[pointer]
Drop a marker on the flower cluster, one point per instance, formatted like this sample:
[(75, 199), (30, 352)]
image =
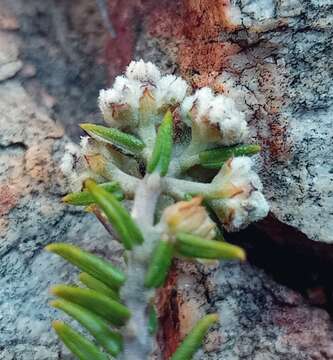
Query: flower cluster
[(142, 90), (137, 101)]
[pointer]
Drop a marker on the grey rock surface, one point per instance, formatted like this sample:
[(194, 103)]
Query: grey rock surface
[(31, 186), (294, 79), (10, 64), (259, 319)]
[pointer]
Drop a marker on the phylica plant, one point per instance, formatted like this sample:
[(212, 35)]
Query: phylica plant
[(157, 134)]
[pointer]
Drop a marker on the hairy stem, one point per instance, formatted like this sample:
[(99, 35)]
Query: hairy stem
[(178, 188), (128, 183), (189, 158), (147, 133), (189, 161), (146, 196), (138, 341)]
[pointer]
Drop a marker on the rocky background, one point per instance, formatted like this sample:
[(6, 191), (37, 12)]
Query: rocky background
[(274, 58)]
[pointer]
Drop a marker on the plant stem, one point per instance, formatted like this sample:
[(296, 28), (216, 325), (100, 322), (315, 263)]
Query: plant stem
[(146, 196), (147, 134), (127, 182), (178, 188), (189, 158), (189, 161), (138, 343)]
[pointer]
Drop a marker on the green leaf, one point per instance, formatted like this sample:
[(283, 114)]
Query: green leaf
[(114, 136), (84, 198), (78, 344), (118, 216), (214, 158), (162, 151), (194, 339), (197, 247), (95, 266), (159, 265), (98, 286), (111, 341), (152, 320), (94, 301)]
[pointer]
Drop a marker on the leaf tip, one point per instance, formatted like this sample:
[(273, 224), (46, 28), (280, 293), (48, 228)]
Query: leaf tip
[(55, 290), (215, 317), (86, 126), (54, 303), (240, 254), (51, 247), (88, 183), (65, 199), (58, 325)]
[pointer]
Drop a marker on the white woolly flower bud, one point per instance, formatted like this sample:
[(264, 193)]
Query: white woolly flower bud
[(143, 72), (214, 119), (142, 93), (189, 217), (73, 167), (170, 90), (237, 189), (119, 105), (80, 163)]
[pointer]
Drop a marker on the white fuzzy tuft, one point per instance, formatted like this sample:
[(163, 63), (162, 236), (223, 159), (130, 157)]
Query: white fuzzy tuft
[(200, 102), (84, 143), (73, 167), (143, 72), (239, 188), (238, 173), (120, 103), (239, 212), (170, 90), (71, 156), (216, 118), (105, 101), (230, 120), (129, 90)]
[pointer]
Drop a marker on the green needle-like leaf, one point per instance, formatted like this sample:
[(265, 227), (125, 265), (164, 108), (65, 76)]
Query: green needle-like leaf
[(197, 247), (214, 158), (161, 156), (118, 216), (114, 136), (94, 301), (194, 339), (78, 344), (84, 198), (159, 265), (94, 284), (89, 263), (111, 341)]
